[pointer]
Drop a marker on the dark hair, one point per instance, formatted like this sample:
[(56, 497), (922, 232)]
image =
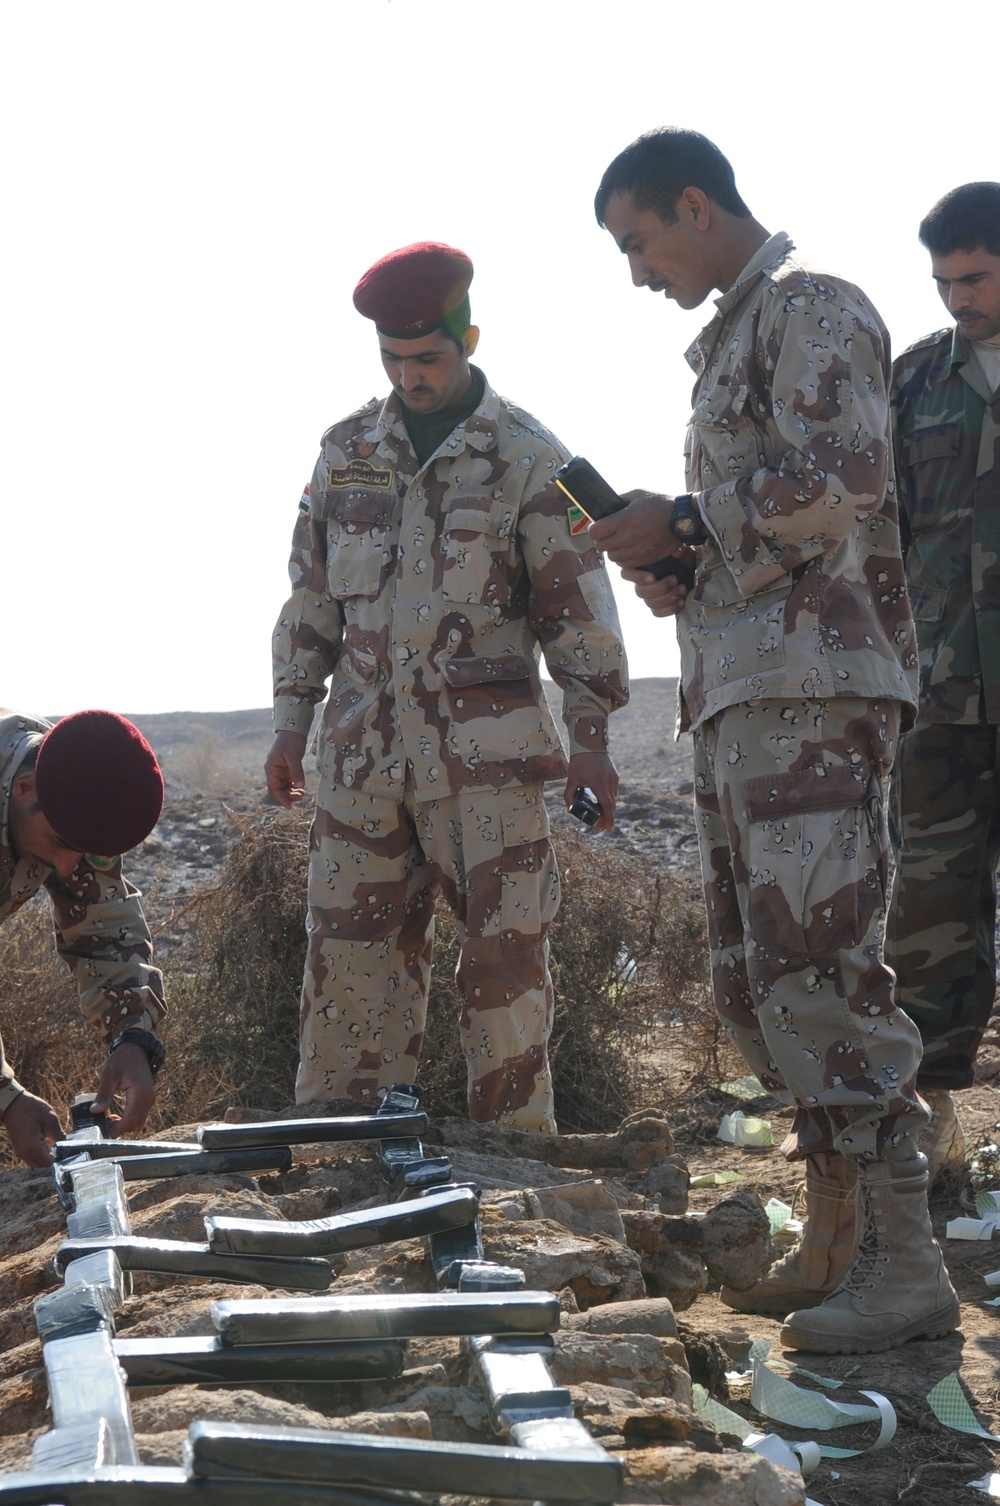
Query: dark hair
[(967, 219), (660, 164)]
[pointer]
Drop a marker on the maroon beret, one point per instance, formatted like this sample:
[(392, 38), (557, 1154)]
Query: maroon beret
[(98, 783), (411, 291)]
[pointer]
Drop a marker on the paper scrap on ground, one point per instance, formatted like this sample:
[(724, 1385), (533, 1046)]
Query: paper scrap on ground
[(740, 1129), (948, 1403), (743, 1087), (761, 1348), (716, 1179), (782, 1401), (983, 1227), (778, 1213), (989, 1485)]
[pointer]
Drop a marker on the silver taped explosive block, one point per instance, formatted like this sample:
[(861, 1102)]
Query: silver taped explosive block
[(100, 1268), (203, 1360), (310, 1131), (100, 1149), (81, 1308), (85, 1384), (175, 1257), (241, 1321), (80, 1447), (448, 1208), (152, 1485), (187, 1163), (515, 1381), (572, 1474)]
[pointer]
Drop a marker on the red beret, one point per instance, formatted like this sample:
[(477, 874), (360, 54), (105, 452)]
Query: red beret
[(98, 783), (411, 291)]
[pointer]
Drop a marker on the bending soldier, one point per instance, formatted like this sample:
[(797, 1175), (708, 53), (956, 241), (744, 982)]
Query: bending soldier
[(73, 797)]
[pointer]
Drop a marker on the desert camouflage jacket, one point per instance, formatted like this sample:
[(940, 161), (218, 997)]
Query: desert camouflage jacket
[(425, 595), (101, 931), (946, 430), (800, 587)]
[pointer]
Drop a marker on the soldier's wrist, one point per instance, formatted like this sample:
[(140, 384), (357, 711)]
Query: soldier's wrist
[(588, 734), (141, 1019), (10, 1089)]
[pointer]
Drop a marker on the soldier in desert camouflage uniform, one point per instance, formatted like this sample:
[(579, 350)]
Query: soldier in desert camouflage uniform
[(432, 560), (946, 784), (798, 660), (89, 782)]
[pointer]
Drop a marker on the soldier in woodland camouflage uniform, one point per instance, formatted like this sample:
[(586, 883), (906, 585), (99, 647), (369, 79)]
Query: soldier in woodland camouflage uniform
[(87, 786), (798, 663), (946, 784), (431, 561)]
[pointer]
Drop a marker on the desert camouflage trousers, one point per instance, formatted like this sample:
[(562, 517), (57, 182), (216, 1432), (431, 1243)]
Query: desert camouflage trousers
[(941, 930), (790, 809), (376, 867)]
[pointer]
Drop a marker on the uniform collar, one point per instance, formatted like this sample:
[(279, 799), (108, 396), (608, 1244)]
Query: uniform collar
[(773, 251), (481, 430)]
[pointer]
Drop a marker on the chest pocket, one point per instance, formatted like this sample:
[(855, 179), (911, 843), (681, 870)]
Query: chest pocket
[(360, 543), (725, 438), (941, 442), (476, 545)]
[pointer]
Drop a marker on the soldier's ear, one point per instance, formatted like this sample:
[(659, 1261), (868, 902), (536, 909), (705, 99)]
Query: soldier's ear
[(471, 339), (23, 788)]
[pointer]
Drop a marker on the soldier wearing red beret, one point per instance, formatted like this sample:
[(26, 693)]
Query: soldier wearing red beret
[(432, 566), (73, 797)]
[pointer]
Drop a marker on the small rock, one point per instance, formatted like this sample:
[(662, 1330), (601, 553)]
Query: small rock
[(664, 1475), (645, 1364), (676, 1275), (584, 1207), (647, 1315)]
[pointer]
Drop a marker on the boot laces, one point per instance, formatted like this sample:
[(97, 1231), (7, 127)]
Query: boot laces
[(870, 1256)]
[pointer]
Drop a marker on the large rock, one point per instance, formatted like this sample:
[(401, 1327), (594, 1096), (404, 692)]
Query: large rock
[(646, 1315), (597, 1268), (733, 1239), (668, 1181), (677, 1477), (621, 1419), (642, 1362), (585, 1207), (674, 1274)]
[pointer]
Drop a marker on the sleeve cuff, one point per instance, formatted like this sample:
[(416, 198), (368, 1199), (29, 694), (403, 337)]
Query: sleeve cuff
[(293, 715), (10, 1089), (588, 734)]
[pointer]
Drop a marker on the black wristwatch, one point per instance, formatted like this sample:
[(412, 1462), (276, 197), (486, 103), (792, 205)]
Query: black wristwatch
[(685, 521), (154, 1048)]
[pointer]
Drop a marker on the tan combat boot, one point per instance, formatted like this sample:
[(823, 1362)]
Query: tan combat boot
[(897, 1287), (943, 1141), (823, 1256)]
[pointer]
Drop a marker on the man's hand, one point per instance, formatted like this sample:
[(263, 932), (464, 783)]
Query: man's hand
[(126, 1073), (596, 772), (641, 534), (664, 598), (286, 780), (33, 1128)]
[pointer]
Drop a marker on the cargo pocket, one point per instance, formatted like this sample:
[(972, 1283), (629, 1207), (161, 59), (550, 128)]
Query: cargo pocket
[(529, 896), (813, 879)]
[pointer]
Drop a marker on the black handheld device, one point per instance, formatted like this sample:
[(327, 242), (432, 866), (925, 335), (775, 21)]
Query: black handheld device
[(588, 489), (585, 806)]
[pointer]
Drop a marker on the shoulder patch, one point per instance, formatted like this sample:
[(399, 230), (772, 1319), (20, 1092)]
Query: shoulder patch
[(304, 502), (102, 865)]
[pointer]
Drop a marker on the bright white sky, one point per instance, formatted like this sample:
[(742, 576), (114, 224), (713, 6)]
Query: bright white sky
[(191, 190)]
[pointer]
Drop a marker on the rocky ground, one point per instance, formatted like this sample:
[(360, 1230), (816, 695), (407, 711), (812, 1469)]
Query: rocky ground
[(621, 1237)]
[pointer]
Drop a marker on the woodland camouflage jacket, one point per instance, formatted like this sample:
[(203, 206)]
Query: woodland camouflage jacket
[(946, 430), (425, 594), (800, 587), (101, 931)]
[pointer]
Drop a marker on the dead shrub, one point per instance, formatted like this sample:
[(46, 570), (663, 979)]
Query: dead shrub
[(632, 1024), (627, 951)]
